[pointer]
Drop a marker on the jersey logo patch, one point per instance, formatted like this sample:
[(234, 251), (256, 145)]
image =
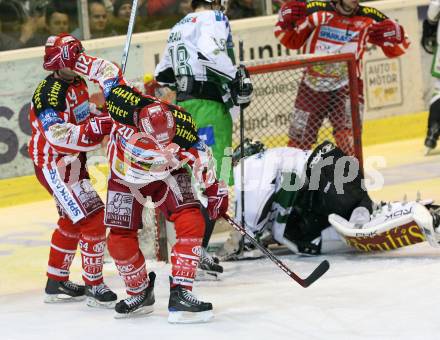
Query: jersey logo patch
[(206, 134), (81, 112), (48, 118), (336, 34)]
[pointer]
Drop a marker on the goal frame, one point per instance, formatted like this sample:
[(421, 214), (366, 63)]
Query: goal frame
[(353, 85)]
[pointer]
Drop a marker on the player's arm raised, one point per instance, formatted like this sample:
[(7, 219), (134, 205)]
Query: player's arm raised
[(292, 27), (389, 36)]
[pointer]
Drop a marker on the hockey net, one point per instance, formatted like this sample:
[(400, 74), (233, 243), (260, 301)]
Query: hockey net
[(304, 102), (301, 101)]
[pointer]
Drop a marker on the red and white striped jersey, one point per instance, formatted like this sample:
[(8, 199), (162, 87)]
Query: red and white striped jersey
[(325, 31), (59, 111), (133, 157)]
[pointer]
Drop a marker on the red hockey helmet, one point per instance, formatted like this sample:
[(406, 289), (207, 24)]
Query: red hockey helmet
[(157, 121), (61, 51)]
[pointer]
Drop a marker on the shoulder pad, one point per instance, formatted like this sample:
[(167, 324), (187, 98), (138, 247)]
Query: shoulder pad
[(372, 13), (50, 93), (316, 6)]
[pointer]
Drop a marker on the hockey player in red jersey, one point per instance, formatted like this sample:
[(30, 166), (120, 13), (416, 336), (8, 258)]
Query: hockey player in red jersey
[(333, 27), (63, 130), (152, 147)]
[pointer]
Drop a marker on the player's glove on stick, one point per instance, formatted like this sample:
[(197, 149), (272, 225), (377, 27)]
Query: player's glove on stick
[(386, 32), (98, 127), (217, 194), (429, 36), (242, 88)]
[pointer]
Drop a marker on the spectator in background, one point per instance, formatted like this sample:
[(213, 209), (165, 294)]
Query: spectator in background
[(121, 17), (239, 9), (56, 20), (16, 29), (98, 22)]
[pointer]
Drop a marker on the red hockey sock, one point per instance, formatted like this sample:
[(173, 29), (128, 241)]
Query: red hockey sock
[(134, 273), (185, 255), (123, 247), (62, 250), (92, 244)]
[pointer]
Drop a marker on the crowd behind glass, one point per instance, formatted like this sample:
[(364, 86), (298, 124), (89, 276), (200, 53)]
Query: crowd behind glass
[(28, 23)]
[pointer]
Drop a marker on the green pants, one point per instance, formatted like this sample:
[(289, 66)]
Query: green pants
[(214, 124)]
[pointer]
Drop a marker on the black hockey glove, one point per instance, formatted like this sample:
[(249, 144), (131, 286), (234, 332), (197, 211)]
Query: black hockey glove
[(429, 36), (242, 88)]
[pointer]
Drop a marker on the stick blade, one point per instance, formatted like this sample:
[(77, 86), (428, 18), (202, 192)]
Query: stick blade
[(316, 274)]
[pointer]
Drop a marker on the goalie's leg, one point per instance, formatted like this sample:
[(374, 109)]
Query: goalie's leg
[(392, 226)]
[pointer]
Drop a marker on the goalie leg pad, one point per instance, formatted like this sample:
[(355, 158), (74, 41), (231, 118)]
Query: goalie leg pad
[(393, 226)]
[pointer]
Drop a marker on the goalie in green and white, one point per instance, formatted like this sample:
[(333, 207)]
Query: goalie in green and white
[(294, 196)]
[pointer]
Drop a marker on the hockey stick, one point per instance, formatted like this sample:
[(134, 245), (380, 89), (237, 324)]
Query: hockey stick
[(129, 34), (241, 58), (315, 275)]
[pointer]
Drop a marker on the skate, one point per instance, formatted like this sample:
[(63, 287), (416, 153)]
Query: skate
[(63, 291), (100, 296), (137, 305), (431, 138), (184, 307), (209, 268)]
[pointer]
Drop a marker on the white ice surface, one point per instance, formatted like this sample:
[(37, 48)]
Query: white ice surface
[(392, 295)]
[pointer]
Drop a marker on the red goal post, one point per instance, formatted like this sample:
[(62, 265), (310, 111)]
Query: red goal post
[(302, 96)]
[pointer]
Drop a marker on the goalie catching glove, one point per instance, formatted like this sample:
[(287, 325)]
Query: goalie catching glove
[(290, 13), (386, 32), (217, 194), (242, 87)]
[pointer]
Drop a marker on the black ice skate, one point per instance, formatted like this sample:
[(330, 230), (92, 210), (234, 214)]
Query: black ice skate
[(137, 305), (432, 137), (209, 268), (100, 296), (63, 291), (184, 307)]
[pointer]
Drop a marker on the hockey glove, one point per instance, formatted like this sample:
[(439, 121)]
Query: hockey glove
[(242, 87), (98, 127), (290, 13), (217, 194), (386, 32), (429, 36)]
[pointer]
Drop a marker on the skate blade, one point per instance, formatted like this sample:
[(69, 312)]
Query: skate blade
[(62, 298), (428, 151), (94, 303), (141, 312), (189, 317), (204, 275)]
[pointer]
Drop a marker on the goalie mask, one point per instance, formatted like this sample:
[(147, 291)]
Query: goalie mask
[(157, 121), (250, 148)]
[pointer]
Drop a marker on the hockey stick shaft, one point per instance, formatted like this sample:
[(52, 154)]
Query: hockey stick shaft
[(315, 275), (242, 200), (129, 35)]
